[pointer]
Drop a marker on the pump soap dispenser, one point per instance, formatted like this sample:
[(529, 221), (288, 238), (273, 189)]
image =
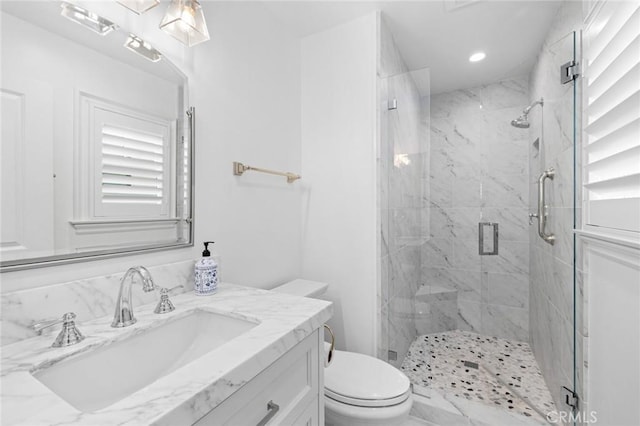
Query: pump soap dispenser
[(206, 273)]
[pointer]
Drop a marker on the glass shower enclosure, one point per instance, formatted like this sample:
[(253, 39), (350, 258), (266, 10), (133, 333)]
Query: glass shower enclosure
[(473, 304)]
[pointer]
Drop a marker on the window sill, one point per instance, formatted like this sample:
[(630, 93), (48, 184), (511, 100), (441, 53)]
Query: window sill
[(619, 240)]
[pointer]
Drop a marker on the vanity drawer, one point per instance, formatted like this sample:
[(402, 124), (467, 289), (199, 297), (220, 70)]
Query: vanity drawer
[(309, 417), (290, 384)]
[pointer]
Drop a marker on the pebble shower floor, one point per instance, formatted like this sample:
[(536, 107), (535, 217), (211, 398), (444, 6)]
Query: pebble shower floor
[(476, 367)]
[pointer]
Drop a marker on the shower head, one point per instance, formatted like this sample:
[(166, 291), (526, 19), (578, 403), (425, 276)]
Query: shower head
[(522, 122)]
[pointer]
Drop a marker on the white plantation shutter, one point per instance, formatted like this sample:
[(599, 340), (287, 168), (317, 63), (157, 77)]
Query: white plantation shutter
[(612, 119), (186, 179), (132, 165)]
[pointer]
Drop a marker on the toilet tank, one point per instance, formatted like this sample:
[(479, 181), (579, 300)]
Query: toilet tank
[(302, 288)]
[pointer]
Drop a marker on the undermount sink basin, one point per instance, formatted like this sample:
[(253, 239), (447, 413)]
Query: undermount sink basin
[(101, 377)]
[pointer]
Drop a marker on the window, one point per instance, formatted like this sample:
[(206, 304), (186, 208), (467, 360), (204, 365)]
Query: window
[(612, 117), (131, 172)]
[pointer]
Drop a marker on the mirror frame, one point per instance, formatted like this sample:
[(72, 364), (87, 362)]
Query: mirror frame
[(64, 259)]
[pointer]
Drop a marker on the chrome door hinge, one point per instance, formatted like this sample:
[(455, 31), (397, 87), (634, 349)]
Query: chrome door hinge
[(569, 72), (570, 398)]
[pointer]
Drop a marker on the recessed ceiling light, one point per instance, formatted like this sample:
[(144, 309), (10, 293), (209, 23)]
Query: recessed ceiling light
[(477, 57)]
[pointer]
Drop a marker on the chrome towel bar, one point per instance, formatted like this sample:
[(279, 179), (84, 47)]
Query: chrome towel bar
[(239, 169), (543, 208)]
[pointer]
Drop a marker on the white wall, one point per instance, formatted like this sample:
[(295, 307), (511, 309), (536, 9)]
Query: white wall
[(338, 169), (245, 85), (247, 95)]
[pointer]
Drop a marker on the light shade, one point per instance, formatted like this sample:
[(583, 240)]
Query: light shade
[(184, 20), (477, 57), (139, 6), (142, 48), (87, 19)]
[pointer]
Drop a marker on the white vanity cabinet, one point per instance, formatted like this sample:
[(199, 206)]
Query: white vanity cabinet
[(288, 392)]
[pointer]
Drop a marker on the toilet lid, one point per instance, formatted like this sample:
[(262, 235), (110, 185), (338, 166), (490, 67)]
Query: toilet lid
[(362, 380)]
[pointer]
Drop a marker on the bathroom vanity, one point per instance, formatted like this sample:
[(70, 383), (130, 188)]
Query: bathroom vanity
[(241, 356)]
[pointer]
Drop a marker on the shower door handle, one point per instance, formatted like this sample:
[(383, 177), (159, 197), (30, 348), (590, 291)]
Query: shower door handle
[(543, 207), (494, 229)]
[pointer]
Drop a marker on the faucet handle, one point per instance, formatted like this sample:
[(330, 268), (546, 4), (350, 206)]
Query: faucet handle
[(69, 335), (164, 305)]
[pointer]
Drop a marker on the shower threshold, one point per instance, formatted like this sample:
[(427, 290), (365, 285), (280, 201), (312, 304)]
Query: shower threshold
[(473, 374)]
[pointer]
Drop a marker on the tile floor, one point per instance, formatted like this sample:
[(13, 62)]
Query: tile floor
[(478, 368)]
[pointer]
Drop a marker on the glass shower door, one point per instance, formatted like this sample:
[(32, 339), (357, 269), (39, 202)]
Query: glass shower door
[(554, 150), (402, 165)]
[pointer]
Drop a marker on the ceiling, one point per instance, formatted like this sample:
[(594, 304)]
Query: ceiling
[(441, 34)]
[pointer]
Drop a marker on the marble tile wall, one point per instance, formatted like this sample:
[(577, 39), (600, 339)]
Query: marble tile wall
[(552, 275), (401, 159), (479, 173), (88, 298)]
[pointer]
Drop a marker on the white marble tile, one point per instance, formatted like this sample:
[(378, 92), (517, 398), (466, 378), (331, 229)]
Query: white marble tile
[(465, 254), (405, 270), (415, 421), (513, 222), (441, 190), (505, 157), (438, 252), (402, 329), (384, 218), (465, 223), (383, 341), (505, 191), (436, 409), (436, 316), (466, 191), (507, 289), (441, 223), (469, 316), (502, 132), (443, 104), (384, 288), (513, 92), (512, 257), (507, 322)]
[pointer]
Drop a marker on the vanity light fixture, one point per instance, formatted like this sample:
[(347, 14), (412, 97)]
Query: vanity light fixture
[(184, 20), (86, 18), (477, 57), (142, 48), (139, 6)]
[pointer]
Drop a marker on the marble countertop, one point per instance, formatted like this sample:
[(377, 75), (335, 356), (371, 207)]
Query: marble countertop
[(181, 397)]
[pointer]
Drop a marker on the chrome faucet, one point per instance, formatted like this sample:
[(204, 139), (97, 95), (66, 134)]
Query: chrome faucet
[(124, 308)]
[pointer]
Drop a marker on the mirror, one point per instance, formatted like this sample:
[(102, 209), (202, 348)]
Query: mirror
[(95, 145)]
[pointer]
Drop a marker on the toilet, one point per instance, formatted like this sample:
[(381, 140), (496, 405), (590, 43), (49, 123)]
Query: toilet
[(358, 389)]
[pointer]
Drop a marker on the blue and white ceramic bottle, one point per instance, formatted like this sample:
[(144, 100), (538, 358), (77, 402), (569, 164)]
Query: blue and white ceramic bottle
[(206, 273)]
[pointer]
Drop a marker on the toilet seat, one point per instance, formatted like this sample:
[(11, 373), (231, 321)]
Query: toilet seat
[(364, 381)]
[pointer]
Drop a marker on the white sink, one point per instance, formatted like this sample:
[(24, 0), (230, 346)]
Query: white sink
[(101, 377)]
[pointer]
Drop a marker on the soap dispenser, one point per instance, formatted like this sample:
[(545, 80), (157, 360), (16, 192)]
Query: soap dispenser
[(206, 273)]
